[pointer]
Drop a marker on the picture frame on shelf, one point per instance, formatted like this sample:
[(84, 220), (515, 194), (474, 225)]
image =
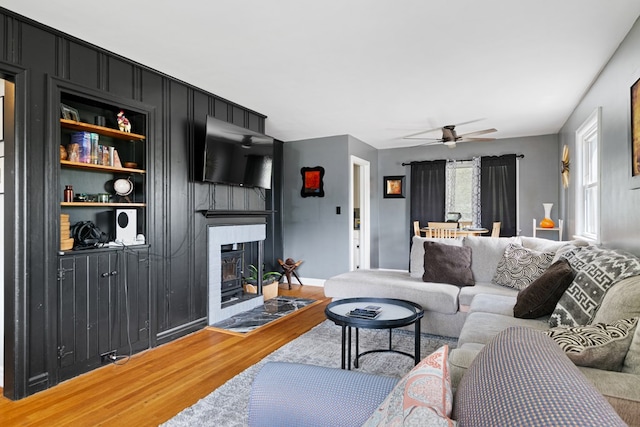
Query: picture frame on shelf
[(312, 181), (634, 109), (69, 113), (394, 187)]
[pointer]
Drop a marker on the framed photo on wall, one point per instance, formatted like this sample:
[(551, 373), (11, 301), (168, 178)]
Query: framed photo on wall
[(312, 182), (394, 187), (635, 134)]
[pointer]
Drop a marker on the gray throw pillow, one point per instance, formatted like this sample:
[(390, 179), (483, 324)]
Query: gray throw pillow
[(447, 264), (540, 298), (596, 271), (520, 266), (600, 346)]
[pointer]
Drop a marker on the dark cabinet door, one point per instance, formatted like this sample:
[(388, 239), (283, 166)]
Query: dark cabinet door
[(103, 308)]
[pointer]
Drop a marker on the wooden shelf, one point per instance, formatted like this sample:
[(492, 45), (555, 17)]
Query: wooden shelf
[(113, 133), (99, 204), (89, 166)]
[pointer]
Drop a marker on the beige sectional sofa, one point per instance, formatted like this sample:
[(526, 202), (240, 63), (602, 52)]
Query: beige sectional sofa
[(476, 314), (445, 305)]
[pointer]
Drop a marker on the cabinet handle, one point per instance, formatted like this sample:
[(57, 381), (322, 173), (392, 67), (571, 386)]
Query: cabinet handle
[(104, 275), (113, 273)]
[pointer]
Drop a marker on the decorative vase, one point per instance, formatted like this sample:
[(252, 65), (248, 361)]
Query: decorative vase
[(547, 222)]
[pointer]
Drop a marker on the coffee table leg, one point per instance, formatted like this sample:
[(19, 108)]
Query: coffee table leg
[(355, 360), (417, 340), (349, 351), (344, 343), (390, 332)]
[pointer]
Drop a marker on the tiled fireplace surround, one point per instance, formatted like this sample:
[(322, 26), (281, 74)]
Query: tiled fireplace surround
[(218, 235)]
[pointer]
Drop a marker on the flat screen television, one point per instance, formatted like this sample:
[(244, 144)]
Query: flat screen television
[(236, 156)]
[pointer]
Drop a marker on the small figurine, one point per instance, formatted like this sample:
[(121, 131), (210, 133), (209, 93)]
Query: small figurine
[(123, 122)]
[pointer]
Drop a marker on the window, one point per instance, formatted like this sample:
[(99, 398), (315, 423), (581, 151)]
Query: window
[(588, 178), (459, 189)]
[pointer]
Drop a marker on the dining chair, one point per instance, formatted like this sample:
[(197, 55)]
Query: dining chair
[(495, 231), (416, 228), (464, 224), (443, 229)]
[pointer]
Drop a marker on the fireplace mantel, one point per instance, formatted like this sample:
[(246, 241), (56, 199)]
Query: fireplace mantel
[(234, 213)]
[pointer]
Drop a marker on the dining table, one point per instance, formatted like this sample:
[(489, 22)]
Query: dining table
[(461, 231)]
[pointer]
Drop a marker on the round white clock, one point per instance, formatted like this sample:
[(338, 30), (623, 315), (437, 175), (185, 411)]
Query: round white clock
[(123, 186)]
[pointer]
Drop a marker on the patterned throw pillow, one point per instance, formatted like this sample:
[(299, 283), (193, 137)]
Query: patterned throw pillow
[(596, 271), (601, 345), (520, 266), (422, 397)]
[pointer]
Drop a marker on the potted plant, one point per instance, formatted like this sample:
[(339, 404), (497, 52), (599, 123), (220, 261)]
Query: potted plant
[(269, 282), (267, 277)]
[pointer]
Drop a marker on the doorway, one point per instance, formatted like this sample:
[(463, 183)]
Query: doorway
[(360, 214)]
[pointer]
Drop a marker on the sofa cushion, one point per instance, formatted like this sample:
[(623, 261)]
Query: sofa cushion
[(596, 271), (468, 293), (481, 328), (422, 397), (495, 304), (520, 266), (620, 389), (601, 345), (523, 378), (486, 254), (631, 362), (622, 301), (447, 264), (543, 245), (541, 297), (416, 261)]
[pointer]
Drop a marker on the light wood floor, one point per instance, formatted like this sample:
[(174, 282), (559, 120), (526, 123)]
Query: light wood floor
[(158, 383)]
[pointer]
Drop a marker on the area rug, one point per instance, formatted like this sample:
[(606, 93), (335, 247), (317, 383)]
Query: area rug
[(273, 309), (227, 405)]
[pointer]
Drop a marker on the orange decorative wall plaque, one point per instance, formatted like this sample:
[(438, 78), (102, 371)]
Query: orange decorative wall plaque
[(312, 184)]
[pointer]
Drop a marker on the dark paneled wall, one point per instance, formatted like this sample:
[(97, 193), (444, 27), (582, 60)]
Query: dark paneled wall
[(31, 55)]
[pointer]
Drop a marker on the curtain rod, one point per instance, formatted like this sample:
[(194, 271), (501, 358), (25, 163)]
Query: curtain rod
[(519, 156)]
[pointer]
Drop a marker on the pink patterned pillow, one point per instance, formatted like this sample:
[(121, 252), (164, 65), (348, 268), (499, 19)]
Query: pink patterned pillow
[(422, 397)]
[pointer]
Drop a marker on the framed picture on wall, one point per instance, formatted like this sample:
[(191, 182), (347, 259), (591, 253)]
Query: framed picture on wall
[(394, 187), (312, 182), (635, 134)]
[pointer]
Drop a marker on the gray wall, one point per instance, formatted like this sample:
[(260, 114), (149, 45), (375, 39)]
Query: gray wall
[(539, 183), (610, 91), (312, 231)]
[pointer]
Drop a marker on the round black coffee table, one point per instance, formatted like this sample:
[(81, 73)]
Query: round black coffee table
[(394, 313)]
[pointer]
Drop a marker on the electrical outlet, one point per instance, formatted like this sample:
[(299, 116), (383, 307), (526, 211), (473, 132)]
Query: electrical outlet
[(108, 357)]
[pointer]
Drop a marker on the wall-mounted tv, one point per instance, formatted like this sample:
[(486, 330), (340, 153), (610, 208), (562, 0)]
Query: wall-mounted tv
[(236, 156)]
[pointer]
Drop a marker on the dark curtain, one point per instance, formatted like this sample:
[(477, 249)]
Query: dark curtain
[(427, 192), (498, 192)]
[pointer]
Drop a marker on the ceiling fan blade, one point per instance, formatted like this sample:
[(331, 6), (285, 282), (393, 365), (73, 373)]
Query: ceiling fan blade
[(436, 142), (475, 139), (479, 132), (411, 136)]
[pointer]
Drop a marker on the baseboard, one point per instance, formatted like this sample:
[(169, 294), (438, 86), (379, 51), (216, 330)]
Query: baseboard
[(310, 281)]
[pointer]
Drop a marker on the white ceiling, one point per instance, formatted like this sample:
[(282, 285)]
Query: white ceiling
[(374, 69)]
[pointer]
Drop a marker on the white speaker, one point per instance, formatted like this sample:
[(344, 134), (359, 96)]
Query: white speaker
[(126, 226)]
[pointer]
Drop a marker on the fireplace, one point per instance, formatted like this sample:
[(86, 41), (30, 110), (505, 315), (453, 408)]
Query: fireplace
[(232, 262), (220, 239)]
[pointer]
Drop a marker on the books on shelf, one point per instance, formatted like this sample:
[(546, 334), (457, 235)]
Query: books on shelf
[(368, 312)]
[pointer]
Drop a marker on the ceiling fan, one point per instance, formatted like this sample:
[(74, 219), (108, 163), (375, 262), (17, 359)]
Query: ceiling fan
[(450, 137)]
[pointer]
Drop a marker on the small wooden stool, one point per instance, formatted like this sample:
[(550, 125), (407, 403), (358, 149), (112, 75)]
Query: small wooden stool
[(288, 268)]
